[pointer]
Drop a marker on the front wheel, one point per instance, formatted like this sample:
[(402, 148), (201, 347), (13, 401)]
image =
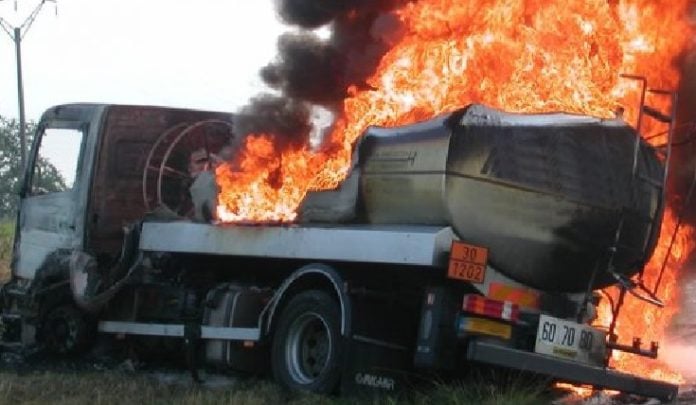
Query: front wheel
[(307, 343), (65, 330)]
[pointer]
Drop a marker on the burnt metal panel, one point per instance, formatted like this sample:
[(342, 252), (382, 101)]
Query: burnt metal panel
[(55, 221), (127, 134)]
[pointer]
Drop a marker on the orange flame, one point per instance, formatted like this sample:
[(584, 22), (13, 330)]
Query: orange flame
[(516, 55), (522, 56), (650, 323), (264, 183)]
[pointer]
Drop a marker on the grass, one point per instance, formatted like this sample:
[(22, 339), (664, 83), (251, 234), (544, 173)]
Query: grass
[(6, 239), (519, 391), (117, 388)]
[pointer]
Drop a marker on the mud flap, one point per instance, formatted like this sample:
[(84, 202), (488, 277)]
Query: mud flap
[(372, 368), (378, 355)]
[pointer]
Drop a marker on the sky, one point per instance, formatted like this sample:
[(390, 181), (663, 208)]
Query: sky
[(202, 54)]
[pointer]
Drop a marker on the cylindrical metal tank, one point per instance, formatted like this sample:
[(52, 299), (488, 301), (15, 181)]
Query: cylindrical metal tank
[(546, 194)]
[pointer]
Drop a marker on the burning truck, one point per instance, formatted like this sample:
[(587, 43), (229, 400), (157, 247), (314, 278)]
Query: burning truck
[(475, 237), (426, 232)]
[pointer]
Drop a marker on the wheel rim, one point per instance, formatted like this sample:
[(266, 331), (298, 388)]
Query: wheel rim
[(308, 348)]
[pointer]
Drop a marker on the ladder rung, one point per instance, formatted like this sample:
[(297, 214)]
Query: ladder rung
[(660, 91), (626, 247), (652, 182), (643, 218), (634, 214), (657, 114)]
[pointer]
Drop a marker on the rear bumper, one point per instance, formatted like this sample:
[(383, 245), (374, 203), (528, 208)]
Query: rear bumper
[(489, 353)]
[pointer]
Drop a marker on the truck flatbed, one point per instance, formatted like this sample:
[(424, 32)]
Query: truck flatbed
[(409, 245)]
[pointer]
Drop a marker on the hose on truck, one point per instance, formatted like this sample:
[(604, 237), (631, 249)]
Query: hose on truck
[(86, 280)]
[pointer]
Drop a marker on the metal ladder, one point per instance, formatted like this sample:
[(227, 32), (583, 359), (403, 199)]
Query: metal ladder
[(636, 176), (637, 288)]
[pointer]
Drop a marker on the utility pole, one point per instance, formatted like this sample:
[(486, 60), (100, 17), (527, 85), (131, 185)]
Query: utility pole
[(17, 34), (20, 97)]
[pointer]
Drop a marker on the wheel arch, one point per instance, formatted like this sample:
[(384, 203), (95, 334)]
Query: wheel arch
[(311, 276), (51, 283)]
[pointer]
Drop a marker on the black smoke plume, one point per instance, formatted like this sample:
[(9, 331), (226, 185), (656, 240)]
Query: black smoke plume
[(307, 69), (286, 118), (311, 71), (313, 13)]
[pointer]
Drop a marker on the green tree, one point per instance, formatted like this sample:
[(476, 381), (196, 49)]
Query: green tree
[(10, 171)]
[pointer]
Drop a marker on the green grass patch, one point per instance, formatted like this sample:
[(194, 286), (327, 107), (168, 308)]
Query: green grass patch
[(7, 228), (484, 393), (110, 387)]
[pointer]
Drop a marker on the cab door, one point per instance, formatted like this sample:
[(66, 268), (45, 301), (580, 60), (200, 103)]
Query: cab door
[(48, 219)]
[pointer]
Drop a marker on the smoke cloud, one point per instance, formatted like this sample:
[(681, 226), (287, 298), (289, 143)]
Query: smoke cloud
[(313, 13), (309, 71), (286, 118)]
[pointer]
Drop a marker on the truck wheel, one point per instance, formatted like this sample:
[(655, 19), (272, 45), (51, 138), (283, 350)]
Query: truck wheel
[(306, 345), (65, 330)]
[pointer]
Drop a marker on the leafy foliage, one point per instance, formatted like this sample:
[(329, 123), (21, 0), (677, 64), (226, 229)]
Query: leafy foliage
[(11, 172)]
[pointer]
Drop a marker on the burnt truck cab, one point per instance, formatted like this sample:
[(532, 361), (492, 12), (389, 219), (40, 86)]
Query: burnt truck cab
[(362, 302), (103, 150), (52, 223)]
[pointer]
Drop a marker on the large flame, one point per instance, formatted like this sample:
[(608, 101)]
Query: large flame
[(649, 322), (516, 55), (522, 56)]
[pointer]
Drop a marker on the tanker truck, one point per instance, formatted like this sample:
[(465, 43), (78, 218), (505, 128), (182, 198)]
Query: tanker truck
[(478, 237)]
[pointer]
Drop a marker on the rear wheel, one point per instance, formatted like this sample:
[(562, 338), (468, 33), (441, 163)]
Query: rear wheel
[(307, 343)]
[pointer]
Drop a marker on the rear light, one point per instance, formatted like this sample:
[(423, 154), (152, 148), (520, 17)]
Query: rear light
[(467, 325), (480, 305), (524, 297)]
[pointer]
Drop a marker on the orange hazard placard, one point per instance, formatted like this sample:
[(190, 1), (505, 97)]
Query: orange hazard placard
[(467, 262)]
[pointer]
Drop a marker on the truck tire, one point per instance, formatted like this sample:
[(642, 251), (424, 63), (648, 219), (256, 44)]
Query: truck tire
[(65, 330), (306, 353)]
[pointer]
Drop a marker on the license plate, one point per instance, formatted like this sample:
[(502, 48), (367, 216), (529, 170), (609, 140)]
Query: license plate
[(467, 262), (570, 340), (484, 327)]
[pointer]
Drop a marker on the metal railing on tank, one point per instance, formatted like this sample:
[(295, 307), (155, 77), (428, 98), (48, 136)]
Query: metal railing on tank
[(637, 287)]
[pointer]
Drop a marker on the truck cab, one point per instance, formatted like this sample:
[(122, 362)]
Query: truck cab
[(101, 152)]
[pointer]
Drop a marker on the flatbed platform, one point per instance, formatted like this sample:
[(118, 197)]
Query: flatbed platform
[(407, 245)]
